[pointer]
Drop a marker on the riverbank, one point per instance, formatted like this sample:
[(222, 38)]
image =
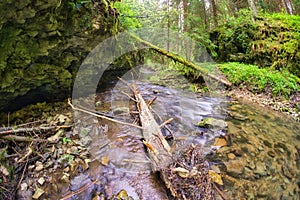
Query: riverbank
[(264, 100), (266, 87)]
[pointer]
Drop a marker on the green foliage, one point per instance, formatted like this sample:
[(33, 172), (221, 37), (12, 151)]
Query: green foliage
[(78, 3), (67, 140), (129, 12), (66, 158), (271, 41), (261, 80)]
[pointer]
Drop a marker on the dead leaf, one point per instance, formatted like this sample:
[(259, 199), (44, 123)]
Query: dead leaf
[(104, 160), (38, 192), (215, 177), (221, 142), (4, 170), (183, 173)]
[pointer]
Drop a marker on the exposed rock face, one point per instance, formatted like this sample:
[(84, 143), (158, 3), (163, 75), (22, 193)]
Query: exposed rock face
[(43, 43)]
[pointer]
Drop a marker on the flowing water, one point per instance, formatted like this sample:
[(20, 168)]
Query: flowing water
[(255, 150), (259, 160)]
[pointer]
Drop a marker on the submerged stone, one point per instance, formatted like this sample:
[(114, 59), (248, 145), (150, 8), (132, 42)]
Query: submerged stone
[(212, 122), (235, 167)]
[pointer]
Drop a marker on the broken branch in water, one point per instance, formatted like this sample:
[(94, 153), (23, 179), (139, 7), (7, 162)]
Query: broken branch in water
[(128, 96), (151, 101), (101, 116), (167, 122)]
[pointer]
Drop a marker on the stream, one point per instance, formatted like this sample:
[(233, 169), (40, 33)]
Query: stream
[(255, 150)]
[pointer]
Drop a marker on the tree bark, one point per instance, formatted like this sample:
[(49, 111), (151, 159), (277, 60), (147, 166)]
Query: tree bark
[(284, 5), (157, 146), (252, 8), (214, 12), (185, 30)]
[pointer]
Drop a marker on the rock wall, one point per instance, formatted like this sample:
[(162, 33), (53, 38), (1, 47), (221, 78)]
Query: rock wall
[(43, 43)]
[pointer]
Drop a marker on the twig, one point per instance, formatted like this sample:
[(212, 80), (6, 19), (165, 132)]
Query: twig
[(101, 116), (10, 130), (97, 112), (21, 138), (220, 192), (136, 161), (29, 123), (166, 126), (126, 83), (151, 102), (23, 173), (80, 190), (128, 96), (30, 151), (166, 122)]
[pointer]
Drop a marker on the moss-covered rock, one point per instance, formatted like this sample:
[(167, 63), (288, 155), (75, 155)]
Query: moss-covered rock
[(43, 43), (270, 41)]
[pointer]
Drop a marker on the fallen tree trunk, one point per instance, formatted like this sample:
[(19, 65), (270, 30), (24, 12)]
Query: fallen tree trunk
[(183, 61), (187, 177), (158, 147)]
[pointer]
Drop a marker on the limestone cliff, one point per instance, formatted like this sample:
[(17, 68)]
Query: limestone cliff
[(43, 43)]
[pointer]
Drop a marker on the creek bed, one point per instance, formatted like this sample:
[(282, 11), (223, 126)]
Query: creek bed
[(260, 157), (253, 149)]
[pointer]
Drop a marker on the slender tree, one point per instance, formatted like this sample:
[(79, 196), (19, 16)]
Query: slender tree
[(253, 8), (214, 12)]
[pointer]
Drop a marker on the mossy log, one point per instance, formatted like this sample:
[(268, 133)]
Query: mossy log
[(183, 61)]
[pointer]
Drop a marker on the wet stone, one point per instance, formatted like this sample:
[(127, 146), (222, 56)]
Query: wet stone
[(251, 164), (235, 167), (24, 186), (267, 143), (38, 192), (65, 178), (220, 142), (260, 169), (211, 122), (41, 181), (224, 150), (39, 166), (48, 164), (86, 140), (231, 156), (271, 153)]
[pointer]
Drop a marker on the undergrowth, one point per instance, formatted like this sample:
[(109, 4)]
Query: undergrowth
[(258, 80)]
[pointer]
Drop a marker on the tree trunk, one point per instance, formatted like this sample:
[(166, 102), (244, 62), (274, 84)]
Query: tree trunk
[(204, 14), (157, 146), (283, 3), (185, 30), (214, 12), (252, 8)]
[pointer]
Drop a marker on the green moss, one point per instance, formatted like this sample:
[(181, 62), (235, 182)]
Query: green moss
[(261, 80), (43, 43), (270, 41)]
